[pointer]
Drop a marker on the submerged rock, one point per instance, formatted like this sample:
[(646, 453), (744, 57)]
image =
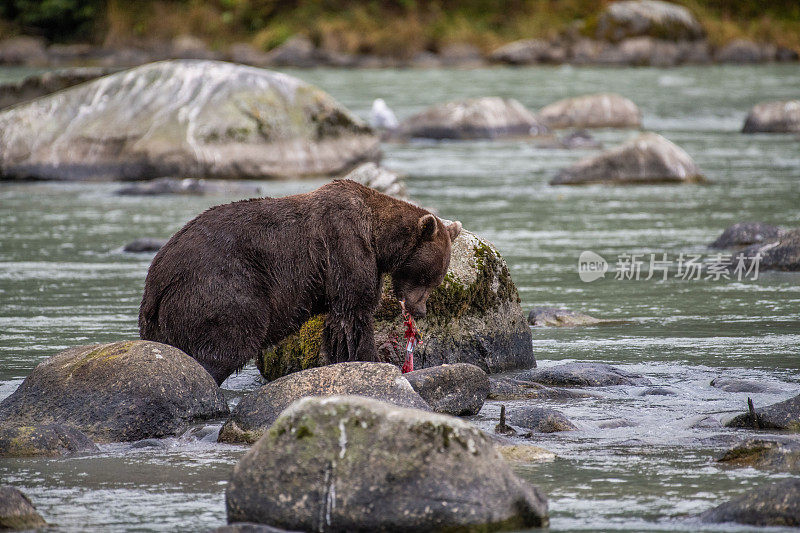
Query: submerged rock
[(584, 375), (47, 440), (781, 415), (633, 18), (780, 454), (473, 317), (781, 254), (576, 140), (746, 234), (189, 186), (777, 504), (144, 245), (553, 316), (606, 110), (355, 464), (38, 85), (17, 511), (541, 420), (123, 391), (458, 389), (649, 158), (774, 117), (506, 388), (380, 179), (256, 412), (522, 453), (192, 118), (475, 118), (744, 385)]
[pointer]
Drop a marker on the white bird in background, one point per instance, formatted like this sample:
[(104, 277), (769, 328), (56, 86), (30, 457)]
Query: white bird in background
[(381, 116)]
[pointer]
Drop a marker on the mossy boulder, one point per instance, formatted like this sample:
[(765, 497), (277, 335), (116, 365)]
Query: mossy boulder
[(17, 511), (256, 412), (190, 118), (347, 463), (49, 440), (123, 391), (473, 317)]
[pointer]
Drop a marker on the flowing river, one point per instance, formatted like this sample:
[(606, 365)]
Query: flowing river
[(64, 282)]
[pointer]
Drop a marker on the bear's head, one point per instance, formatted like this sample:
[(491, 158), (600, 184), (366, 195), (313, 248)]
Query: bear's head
[(424, 269)]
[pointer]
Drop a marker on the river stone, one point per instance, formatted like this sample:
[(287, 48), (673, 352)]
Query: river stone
[(744, 385), (782, 254), (746, 234), (540, 420), (780, 454), (349, 463), (458, 389), (191, 118), (249, 527), (473, 118), (584, 375), (522, 453), (774, 117), (17, 511), (38, 85), (380, 179), (473, 317), (576, 140), (651, 18), (528, 52), (189, 186), (781, 415), (122, 391), (777, 504), (649, 158), (553, 316), (144, 245), (605, 110), (47, 440), (742, 51), (259, 409), (509, 388)]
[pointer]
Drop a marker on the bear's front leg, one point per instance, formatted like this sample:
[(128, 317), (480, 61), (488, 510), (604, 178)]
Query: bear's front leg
[(349, 338)]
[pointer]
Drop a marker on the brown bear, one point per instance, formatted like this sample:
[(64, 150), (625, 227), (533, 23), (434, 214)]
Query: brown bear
[(242, 276)]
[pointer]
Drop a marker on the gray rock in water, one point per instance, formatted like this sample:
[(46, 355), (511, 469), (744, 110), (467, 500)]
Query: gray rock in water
[(17, 511), (249, 527), (746, 234), (649, 158), (781, 116), (742, 51), (475, 118), (380, 179), (189, 186), (584, 375), (505, 389), (191, 118), (39, 85), (144, 245), (541, 420), (23, 50), (783, 254), (123, 391), (744, 385), (658, 391), (47, 440), (781, 415), (774, 453), (652, 18), (605, 110), (553, 316), (356, 464), (256, 412), (458, 389), (528, 52), (777, 504)]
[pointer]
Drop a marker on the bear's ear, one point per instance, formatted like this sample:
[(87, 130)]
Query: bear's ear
[(454, 229), (427, 227)]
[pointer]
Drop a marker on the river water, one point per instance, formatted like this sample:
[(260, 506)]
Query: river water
[(64, 282)]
